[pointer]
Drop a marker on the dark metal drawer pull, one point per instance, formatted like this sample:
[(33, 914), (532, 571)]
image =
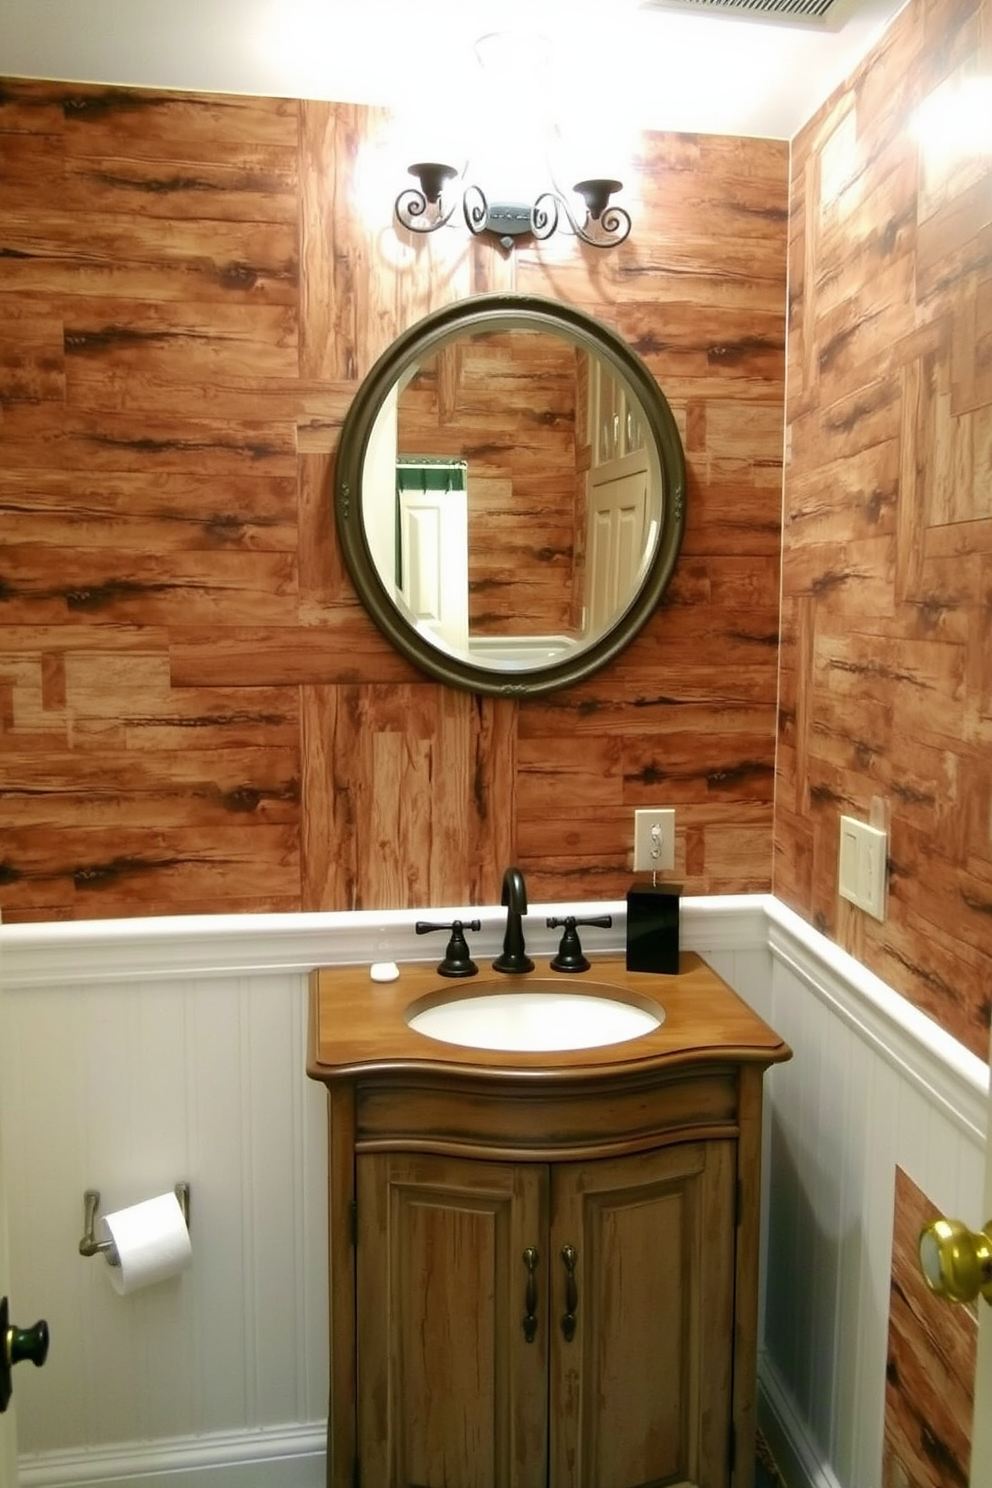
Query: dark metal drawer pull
[(530, 1297), (569, 1256)]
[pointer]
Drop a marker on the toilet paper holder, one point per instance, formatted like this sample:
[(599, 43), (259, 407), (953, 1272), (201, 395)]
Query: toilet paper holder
[(91, 1246)]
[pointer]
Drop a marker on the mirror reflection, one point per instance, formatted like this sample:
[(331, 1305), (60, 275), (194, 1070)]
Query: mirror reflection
[(511, 502), (520, 489)]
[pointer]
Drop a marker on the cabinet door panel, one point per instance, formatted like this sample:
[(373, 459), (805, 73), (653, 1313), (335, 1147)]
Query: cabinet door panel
[(450, 1392), (642, 1394)]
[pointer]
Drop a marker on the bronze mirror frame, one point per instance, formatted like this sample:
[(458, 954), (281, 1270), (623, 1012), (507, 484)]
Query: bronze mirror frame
[(493, 313)]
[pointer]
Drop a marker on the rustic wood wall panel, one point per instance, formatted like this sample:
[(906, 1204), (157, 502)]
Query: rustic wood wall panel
[(195, 712), (885, 702), (930, 1364)]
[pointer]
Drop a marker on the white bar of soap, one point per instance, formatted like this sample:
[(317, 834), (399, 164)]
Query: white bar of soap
[(384, 971)]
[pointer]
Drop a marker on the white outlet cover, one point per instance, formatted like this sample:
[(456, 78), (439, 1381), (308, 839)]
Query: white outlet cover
[(862, 865)]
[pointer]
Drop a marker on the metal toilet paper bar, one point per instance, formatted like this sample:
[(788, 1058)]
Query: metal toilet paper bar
[(91, 1246)]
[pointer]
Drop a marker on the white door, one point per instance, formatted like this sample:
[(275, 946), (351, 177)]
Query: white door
[(981, 1432), (16, 1342), (8, 1438)]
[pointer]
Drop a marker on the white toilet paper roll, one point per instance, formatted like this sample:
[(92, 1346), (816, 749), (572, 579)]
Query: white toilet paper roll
[(152, 1241)]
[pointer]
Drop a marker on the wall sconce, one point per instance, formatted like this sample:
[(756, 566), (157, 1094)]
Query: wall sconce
[(514, 65), (428, 206)]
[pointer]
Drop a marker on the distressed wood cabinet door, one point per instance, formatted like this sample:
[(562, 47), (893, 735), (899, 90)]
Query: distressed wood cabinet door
[(641, 1391), (450, 1391)]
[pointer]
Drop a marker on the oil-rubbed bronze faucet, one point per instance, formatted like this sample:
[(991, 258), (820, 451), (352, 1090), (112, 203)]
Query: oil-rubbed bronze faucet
[(514, 960)]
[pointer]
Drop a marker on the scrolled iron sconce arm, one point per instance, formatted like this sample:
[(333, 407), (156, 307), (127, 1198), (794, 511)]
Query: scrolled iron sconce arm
[(612, 223), (476, 210)]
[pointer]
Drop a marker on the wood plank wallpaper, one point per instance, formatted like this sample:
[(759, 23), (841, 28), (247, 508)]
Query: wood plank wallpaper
[(196, 714), (886, 701)]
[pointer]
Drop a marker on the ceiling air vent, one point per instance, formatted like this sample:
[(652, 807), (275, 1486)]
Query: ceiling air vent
[(826, 13)]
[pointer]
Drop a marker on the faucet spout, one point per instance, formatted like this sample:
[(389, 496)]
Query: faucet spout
[(514, 959)]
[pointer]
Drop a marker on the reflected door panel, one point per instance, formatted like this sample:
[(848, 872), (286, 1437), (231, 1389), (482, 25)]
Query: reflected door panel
[(434, 546), (618, 519)]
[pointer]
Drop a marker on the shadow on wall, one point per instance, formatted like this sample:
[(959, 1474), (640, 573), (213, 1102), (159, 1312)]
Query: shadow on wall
[(804, 1338)]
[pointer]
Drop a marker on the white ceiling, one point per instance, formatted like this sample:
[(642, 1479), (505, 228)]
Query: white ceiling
[(674, 70)]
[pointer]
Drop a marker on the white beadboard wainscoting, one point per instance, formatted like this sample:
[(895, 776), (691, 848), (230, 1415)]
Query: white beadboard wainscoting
[(138, 1053), (874, 1084)]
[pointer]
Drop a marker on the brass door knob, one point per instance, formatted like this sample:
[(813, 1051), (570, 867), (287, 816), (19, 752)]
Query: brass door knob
[(957, 1262), (17, 1344)]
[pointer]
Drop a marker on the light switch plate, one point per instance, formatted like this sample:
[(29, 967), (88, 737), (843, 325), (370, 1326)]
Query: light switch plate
[(862, 865), (654, 840)]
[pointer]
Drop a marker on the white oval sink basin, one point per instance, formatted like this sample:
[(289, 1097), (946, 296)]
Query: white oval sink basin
[(544, 1016)]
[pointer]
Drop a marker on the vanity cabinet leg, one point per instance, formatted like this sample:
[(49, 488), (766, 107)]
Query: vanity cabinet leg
[(342, 1439), (748, 1242)]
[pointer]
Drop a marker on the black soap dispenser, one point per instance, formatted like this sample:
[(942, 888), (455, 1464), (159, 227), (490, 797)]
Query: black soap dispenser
[(653, 927)]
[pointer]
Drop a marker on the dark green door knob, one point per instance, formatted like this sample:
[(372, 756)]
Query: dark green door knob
[(16, 1345)]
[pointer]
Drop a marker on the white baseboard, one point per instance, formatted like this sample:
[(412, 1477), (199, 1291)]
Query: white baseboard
[(279, 1457), (785, 1432)]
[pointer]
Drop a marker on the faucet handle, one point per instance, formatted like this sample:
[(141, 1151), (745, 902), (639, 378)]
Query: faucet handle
[(570, 956), (457, 961)]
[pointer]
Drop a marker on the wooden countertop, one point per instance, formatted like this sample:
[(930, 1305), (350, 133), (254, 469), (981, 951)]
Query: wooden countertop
[(359, 1027)]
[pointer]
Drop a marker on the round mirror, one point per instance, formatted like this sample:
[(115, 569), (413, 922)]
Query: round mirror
[(510, 494)]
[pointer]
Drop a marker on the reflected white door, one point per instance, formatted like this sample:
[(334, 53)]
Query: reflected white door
[(617, 516), (434, 543), (981, 1432), (8, 1435)]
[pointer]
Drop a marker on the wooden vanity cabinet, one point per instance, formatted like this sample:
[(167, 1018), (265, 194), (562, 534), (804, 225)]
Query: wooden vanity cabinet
[(544, 1268), (566, 1323)]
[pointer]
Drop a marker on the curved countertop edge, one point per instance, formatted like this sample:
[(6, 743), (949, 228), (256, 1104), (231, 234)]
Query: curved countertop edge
[(358, 1029)]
